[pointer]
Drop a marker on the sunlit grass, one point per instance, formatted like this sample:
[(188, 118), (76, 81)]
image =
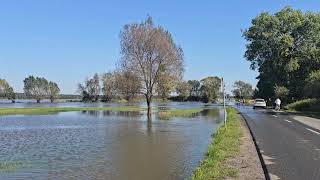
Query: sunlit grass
[(225, 144), (178, 113), (9, 166), (53, 110)]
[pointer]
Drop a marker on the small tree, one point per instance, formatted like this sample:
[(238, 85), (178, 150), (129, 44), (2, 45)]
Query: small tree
[(242, 90), (6, 91), (210, 88), (36, 87), (194, 87), (109, 86), (148, 50), (53, 91), (164, 86), (127, 85), (182, 90), (90, 90)]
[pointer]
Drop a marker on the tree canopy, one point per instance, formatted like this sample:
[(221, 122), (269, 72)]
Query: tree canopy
[(90, 90), (39, 88), (6, 91), (210, 88), (242, 90), (147, 51), (285, 48)]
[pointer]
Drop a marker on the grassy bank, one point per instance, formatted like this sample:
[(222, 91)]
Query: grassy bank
[(307, 107), (225, 144), (52, 110)]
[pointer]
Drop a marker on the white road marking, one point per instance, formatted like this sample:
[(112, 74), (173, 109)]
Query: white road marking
[(313, 131), (267, 159), (273, 177), (274, 116), (288, 121)]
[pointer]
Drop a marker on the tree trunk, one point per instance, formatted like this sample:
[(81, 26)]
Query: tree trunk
[(148, 98), (51, 99)]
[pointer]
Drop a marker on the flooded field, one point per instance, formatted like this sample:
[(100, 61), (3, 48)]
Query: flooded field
[(106, 145)]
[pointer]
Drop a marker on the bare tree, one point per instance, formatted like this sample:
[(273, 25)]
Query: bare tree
[(146, 51)]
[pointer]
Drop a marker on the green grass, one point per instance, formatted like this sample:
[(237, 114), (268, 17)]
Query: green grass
[(225, 144), (53, 110), (178, 113)]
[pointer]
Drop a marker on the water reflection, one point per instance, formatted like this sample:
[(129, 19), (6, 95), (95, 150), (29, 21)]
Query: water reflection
[(112, 113), (106, 145)]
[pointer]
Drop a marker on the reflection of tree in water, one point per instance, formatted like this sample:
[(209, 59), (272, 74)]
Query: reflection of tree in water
[(91, 113), (216, 113), (113, 113)]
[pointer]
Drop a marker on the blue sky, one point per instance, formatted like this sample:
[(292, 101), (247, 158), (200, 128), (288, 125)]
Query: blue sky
[(69, 40)]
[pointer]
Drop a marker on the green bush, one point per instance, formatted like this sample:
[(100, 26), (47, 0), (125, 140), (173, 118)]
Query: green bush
[(305, 105)]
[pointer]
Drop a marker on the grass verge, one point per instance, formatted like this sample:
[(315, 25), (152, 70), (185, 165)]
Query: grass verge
[(225, 144), (53, 110)]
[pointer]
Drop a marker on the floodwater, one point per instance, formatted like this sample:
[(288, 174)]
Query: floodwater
[(106, 145)]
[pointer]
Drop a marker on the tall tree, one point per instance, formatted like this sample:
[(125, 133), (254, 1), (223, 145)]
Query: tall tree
[(36, 87), (148, 50), (285, 48), (210, 88), (53, 91), (242, 90)]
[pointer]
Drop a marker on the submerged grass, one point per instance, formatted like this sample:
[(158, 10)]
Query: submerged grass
[(53, 110), (178, 113), (225, 144), (9, 167)]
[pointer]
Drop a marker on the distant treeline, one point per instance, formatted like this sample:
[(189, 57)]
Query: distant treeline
[(61, 96), (37, 88)]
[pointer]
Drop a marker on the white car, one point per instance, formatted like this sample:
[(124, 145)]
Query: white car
[(259, 103)]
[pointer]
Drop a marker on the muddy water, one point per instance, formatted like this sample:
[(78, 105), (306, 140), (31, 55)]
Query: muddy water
[(104, 145)]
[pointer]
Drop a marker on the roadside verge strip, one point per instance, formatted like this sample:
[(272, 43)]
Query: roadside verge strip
[(263, 164)]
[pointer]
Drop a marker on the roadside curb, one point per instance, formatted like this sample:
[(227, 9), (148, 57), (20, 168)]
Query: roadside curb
[(263, 165)]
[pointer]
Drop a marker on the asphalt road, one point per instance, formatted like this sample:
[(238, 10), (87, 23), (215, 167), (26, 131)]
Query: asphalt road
[(290, 150)]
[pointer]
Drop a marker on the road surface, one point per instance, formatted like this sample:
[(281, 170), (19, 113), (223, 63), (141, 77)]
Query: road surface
[(290, 149)]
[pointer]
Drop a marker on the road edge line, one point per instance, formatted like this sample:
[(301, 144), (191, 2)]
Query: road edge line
[(263, 164)]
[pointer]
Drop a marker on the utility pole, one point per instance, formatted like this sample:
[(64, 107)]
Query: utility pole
[(224, 101)]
